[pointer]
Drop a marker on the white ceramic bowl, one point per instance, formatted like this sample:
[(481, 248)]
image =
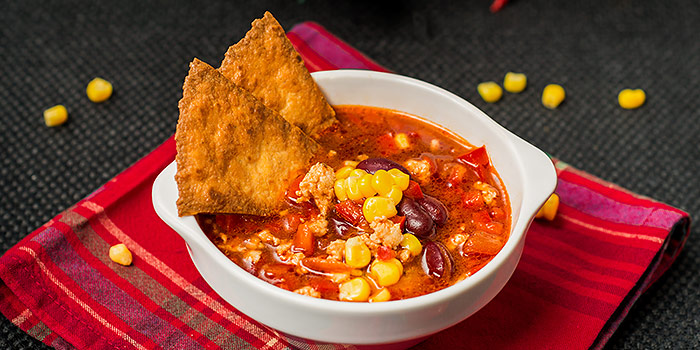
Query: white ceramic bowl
[(529, 179)]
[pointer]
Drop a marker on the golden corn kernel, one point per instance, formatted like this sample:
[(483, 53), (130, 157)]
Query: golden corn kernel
[(550, 208), (352, 188), (514, 82), (356, 272), (401, 179), (366, 186), (402, 141), (357, 254), (395, 194), (55, 115), (357, 173), (631, 99), (382, 182), (382, 295), (377, 207), (344, 172), (120, 254), (350, 163), (490, 91), (356, 289), (386, 273), (411, 243), (339, 189), (99, 90), (553, 95)]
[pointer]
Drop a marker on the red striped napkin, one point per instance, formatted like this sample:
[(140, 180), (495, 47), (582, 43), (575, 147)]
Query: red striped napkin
[(577, 279)]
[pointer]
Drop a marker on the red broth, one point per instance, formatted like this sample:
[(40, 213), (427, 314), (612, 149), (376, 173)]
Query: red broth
[(282, 250)]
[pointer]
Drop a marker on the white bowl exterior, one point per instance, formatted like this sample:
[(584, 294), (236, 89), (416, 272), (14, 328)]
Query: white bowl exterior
[(527, 173)]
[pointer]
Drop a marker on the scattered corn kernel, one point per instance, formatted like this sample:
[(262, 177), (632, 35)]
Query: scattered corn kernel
[(631, 99), (357, 254), (55, 115), (382, 295), (99, 90), (366, 186), (120, 254), (401, 179), (550, 208), (402, 140), (339, 189), (395, 194), (344, 172), (352, 188), (377, 207), (553, 95), (386, 273), (514, 82), (490, 91), (382, 181), (350, 163), (356, 289), (411, 243)]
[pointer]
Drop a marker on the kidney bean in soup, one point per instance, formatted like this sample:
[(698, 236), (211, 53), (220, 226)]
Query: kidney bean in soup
[(400, 209)]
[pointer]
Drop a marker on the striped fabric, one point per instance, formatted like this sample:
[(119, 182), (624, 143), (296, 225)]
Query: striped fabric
[(577, 279)]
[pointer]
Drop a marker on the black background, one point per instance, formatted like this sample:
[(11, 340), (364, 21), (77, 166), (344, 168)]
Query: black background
[(50, 50)]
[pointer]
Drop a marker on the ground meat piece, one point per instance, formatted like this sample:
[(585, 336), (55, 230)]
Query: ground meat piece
[(420, 168), (336, 249), (317, 225), (268, 238), (318, 184), (404, 255), (252, 257), (456, 240), (386, 233), (308, 291), (488, 192)]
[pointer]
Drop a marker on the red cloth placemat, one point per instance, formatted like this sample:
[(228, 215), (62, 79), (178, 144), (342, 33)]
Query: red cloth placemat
[(577, 278)]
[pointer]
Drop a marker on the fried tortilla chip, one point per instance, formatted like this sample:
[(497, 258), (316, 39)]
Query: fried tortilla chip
[(234, 155), (266, 64)]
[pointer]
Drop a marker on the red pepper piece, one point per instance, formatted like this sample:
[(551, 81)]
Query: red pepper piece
[(304, 240), (413, 190), (478, 160), (401, 220), (385, 253), (456, 176), (293, 188), (482, 220), (498, 214), (350, 212)]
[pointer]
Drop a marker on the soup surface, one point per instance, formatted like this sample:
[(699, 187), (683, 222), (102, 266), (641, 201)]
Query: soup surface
[(396, 208)]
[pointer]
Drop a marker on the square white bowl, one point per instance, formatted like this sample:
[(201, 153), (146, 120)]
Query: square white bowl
[(528, 176)]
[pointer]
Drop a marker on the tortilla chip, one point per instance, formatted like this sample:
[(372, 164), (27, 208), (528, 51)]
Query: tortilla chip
[(266, 64), (234, 155)]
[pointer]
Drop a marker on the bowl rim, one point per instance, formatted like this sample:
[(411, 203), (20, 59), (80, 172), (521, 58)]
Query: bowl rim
[(192, 233)]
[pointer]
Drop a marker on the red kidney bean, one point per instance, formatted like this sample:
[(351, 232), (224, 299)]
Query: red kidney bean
[(371, 165), (341, 227), (436, 260), (434, 208), (418, 221)]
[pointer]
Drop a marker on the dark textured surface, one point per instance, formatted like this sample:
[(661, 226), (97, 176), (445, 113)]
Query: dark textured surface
[(50, 50)]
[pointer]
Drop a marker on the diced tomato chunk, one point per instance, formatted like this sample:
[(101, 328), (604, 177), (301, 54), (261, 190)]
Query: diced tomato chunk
[(498, 214), (387, 144), (482, 220), (413, 190), (290, 222), (323, 285), (303, 240), (472, 199), (483, 243), (385, 253), (350, 212), (456, 176)]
